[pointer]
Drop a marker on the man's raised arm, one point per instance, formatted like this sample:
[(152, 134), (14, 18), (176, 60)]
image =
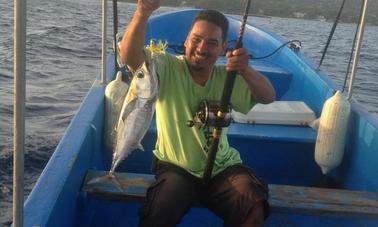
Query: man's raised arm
[(131, 50)]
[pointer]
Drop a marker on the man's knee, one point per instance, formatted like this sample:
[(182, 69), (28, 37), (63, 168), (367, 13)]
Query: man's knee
[(255, 216), (167, 200)]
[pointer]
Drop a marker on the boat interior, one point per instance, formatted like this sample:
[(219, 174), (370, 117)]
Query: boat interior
[(281, 154)]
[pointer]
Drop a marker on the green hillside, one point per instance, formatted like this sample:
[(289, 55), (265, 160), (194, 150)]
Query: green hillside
[(307, 9)]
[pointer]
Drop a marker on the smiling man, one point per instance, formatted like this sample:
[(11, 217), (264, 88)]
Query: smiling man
[(234, 193)]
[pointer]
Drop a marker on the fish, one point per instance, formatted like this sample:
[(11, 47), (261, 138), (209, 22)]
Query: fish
[(136, 113), (135, 117)]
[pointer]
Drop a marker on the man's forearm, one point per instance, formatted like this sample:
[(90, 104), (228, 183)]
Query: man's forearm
[(261, 89), (131, 50)]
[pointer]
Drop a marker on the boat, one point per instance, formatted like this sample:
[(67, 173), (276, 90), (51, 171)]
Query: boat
[(281, 153)]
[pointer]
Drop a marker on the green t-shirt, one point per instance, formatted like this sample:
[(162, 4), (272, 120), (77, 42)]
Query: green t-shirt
[(178, 100)]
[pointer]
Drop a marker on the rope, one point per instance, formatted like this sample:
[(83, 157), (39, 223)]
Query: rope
[(276, 50)]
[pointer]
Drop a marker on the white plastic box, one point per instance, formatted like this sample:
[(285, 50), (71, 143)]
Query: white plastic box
[(278, 112)]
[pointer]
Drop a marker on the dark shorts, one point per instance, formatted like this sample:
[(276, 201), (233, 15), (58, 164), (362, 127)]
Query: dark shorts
[(230, 195)]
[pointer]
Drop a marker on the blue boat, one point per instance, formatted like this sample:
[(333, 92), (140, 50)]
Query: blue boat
[(281, 153)]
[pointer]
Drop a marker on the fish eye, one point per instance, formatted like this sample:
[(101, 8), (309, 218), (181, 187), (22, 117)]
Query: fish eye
[(140, 74)]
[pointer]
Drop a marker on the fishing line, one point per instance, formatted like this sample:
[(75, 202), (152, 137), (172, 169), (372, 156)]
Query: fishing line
[(297, 44), (295, 47)]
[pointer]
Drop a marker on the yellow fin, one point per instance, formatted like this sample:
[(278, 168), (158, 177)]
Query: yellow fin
[(157, 47)]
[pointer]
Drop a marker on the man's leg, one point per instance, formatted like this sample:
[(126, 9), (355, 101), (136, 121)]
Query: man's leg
[(255, 216), (169, 198), (238, 196)]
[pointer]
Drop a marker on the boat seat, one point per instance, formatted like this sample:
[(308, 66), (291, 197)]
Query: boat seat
[(283, 198)]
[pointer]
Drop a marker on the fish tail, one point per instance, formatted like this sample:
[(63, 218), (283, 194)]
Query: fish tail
[(115, 181), (99, 179), (108, 178)]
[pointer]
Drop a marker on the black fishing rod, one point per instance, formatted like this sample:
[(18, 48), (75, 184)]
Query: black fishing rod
[(218, 116), (331, 33), (115, 31), (225, 101)]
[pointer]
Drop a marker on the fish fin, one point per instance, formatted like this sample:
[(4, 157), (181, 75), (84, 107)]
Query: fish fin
[(140, 147), (127, 108)]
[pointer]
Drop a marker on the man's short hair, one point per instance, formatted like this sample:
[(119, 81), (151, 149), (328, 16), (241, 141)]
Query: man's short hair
[(214, 17)]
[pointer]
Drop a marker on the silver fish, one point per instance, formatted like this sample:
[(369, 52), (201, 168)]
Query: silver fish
[(135, 117), (136, 113)]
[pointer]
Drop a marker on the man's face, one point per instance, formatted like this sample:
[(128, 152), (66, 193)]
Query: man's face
[(203, 45)]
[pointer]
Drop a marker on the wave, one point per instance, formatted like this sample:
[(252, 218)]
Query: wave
[(6, 75)]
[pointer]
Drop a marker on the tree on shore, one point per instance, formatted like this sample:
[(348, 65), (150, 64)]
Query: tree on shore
[(307, 9)]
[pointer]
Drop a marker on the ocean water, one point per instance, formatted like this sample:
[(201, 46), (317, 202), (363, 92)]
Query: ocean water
[(63, 59)]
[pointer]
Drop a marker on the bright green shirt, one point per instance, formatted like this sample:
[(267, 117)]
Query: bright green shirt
[(178, 100)]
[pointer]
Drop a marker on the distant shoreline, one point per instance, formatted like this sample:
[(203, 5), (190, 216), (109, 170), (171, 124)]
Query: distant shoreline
[(322, 10)]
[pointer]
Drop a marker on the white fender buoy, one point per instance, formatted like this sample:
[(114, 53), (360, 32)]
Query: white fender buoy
[(115, 93), (333, 125)]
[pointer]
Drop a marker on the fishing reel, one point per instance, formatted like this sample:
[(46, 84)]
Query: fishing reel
[(209, 115)]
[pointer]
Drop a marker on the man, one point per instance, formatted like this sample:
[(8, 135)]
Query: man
[(234, 192)]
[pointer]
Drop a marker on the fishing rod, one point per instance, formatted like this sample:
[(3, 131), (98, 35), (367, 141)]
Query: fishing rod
[(218, 116), (115, 31), (331, 33)]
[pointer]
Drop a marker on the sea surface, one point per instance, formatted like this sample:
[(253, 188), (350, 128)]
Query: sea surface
[(63, 58)]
